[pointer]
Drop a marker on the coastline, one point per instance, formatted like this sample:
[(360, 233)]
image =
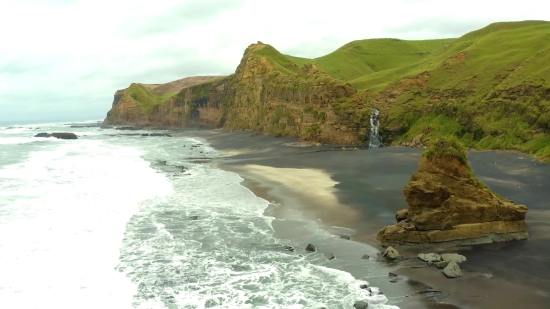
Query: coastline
[(361, 192)]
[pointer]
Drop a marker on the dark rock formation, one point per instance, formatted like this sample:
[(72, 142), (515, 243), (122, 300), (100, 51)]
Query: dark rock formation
[(448, 204), (311, 248), (62, 135)]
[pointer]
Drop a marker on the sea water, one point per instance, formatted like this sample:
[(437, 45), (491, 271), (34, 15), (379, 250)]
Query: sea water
[(119, 220)]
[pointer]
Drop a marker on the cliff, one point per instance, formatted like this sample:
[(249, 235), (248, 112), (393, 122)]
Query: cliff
[(489, 88), (133, 105), (446, 203)]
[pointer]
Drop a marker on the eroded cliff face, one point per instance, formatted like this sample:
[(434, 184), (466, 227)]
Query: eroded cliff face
[(125, 110), (128, 110), (261, 98), (447, 204)]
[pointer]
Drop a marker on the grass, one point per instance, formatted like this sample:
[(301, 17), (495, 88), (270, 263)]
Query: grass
[(358, 58), (489, 89), (145, 98), (447, 146)]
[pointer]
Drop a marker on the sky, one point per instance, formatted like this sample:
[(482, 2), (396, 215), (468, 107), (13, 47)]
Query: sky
[(64, 59)]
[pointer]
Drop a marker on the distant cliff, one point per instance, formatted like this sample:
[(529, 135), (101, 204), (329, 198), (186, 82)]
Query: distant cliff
[(489, 88)]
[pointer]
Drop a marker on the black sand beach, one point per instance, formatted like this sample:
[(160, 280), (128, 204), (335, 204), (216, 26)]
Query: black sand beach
[(361, 190)]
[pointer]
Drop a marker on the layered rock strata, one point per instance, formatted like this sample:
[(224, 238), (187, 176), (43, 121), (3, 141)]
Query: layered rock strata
[(448, 204), (260, 97)]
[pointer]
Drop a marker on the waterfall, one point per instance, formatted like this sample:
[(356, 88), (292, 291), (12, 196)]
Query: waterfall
[(375, 140)]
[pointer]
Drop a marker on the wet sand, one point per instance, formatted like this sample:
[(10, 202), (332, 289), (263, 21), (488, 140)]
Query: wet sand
[(362, 189)]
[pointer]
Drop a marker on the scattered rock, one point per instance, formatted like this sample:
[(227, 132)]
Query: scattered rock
[(391, 275), (311, 248), (361, 305), (391, 253), (429, 257), (453, 257), (452, 270), (401, 215), (364, 286), (330, 256), (345, 237), (61, 135), (442, 264), (156, 134), (430, 293)]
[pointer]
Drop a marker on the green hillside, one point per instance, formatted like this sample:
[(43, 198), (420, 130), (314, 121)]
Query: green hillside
[(490, 88), (359, 58), (145, 98)]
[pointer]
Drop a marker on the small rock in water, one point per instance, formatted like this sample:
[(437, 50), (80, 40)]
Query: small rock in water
[(452, 270), (345, 237), (365, 257), (453, 257), (364, 286), (390, 274), (361, 305), (391, 253), (429, 257), (330, 256), (194, 218), (62, 135), (311, 248)]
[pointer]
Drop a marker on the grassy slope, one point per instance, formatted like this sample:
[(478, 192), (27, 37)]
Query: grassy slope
[(496, 87), (488, 88), (359, 58), (145, 98)]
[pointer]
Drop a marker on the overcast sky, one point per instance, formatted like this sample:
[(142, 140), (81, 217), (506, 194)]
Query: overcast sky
[(64, 59)]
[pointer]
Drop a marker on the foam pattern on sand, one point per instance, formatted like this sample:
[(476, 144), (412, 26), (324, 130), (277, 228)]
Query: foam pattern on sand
[(209, 245)]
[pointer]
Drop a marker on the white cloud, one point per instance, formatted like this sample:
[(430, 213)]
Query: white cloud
[(71, 52)]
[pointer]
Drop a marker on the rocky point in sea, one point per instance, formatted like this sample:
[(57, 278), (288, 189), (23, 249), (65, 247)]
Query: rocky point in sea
[(448, 204)]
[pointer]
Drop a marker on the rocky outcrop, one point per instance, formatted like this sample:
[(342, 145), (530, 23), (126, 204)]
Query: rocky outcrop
[(296, 101), (61, 135), (448, 204), (128, 106)]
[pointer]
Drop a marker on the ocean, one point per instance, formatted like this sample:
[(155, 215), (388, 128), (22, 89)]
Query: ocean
[(119, 220)]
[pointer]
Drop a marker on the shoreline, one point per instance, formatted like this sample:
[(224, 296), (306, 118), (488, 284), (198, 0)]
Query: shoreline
[(358, 198)]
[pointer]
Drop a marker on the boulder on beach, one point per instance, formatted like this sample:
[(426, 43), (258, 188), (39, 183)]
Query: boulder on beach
[(442, 264), (429, 257), (361, 305), (453, 257), (60, 135), (452, 270), (391, 253), (447, 204)]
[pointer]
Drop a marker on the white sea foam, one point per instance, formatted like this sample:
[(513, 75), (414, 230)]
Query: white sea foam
[(62, 217), (88, 223), (209, 245)]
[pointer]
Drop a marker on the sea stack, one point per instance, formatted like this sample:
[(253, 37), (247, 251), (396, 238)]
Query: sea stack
[(447, 204)]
